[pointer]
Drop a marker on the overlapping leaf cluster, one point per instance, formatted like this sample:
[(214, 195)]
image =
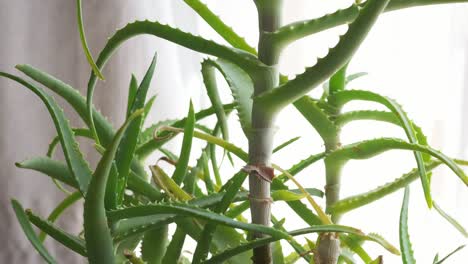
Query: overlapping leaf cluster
[(124, 206)]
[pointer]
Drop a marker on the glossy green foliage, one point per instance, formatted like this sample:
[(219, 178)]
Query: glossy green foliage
[(194, 195)]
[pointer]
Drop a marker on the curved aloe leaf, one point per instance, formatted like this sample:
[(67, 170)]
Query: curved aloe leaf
[(226, 32), (192, 211), (346, 96), (59, 171), (174, 35), (182, 165), (99, 243), (148, 145), (84, 44), (79, 132), (355, 76), (72, 242), (369, 148), (76, 163), (356, 201), (317, 118), (263, 241), (297, 30), (215, 140), (337, 57), (296, 168), (29, 232), (74, 98), (209, 78), (59, 209), (451, 220), (355, 246), (405, 244), (449, 255), (241, 89), (50, 167)]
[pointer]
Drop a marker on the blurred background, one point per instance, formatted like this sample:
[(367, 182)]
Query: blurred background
[(417, 56)]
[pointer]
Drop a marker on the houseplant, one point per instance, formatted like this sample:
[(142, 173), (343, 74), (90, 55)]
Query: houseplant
[(210, 209)]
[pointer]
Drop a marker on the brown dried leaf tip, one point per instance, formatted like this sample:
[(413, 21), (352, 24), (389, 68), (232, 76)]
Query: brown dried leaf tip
[(264, 172)]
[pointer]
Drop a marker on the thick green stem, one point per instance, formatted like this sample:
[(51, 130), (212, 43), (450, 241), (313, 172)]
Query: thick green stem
[(328, 249), (261, 136)]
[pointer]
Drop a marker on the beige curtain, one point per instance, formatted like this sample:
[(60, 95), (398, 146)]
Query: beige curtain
[(43, 34)]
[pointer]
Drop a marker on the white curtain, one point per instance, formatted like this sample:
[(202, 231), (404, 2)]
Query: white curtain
[(44, 34)]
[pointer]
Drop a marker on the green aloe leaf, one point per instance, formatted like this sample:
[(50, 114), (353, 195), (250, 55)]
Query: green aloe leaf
[(405, 244), (137, 225), (449, 255), (241, 89), (99, 244), (132, 91), (174, 35), (374, 237), (192, 211), (174, 249), (166, 183), (226, 32), (346, 96), (154, 244), (297, 30), (182, 165), (369, 148), (263, 241), (74, 98), (355, 76), (148, 144), (76, 163), (209, 78), (79, 132), (203, 247), (29, 232), (125, 153), (72, 242), (84, 44), (451, 220), (317, 118), (59, 209), (50, 167), (215, 140), (275, 99), (354, 245), (356, 201), (285, 144)]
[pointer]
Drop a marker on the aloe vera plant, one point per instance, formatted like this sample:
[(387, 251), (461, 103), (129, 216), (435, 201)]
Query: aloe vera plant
[(125, 207)]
